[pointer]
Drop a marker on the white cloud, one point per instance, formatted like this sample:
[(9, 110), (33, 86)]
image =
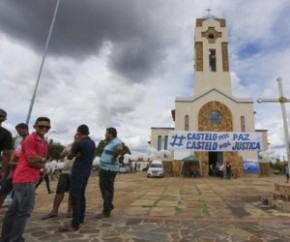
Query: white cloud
[(72, 92)]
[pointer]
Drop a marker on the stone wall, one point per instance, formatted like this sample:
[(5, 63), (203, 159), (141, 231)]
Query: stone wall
[(203, 117), (233, 157)]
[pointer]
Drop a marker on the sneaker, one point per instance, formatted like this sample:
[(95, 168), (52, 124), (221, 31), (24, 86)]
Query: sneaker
[(7, 202)]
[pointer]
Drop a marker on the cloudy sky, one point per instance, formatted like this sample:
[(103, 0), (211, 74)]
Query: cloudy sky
[(122, 63)]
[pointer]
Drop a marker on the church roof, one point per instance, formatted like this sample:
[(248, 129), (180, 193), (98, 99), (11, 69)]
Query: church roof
[(199, 21), (195, 98)]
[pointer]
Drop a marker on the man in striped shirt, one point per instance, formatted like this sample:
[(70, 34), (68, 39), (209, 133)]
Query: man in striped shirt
[(109, 167)]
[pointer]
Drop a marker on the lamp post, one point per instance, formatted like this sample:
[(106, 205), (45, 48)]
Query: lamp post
[(282, 100), (42, 62)]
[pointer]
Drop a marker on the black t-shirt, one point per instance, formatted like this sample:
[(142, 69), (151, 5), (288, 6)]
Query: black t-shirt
[(5, 140), (228, 167)]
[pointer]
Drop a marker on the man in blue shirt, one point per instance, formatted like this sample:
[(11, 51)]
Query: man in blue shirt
[(109, 167), (84, 151)]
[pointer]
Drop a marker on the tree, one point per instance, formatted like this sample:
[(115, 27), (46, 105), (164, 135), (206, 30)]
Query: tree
[(102, 144), (100, 148), (54, 150), (126, 149)]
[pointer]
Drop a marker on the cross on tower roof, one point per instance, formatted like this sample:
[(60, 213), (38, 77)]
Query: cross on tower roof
[(208, 12)]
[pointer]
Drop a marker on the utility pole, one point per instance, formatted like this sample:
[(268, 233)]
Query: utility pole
[(42, 62)]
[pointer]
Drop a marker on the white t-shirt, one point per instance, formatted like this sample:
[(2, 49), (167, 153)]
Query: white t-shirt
[(67, 162)]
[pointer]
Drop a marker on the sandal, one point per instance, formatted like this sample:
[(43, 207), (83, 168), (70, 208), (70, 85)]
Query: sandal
[(49, 215), (66, 228), (102, 215)]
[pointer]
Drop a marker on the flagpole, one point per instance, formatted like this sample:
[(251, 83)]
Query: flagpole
[(42, 62)]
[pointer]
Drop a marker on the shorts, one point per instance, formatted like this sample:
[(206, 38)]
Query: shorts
[(63, 183), (6, 186)]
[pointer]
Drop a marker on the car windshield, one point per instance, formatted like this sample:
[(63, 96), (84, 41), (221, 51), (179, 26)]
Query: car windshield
[(156, 165)]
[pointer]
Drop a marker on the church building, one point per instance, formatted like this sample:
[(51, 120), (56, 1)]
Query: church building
[(212, 108)]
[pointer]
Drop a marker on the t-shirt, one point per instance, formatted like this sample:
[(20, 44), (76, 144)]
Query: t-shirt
[(17, 142), (31, 146), (5, 139), (85, 151), (6, 144), (107, 155), (67, 166), (221, 167)]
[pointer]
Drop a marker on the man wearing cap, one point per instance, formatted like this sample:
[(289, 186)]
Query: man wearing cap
[(84, 153), (6, 145)]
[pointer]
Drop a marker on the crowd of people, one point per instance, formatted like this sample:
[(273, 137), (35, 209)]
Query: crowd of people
[(221, 170), (23, 163)]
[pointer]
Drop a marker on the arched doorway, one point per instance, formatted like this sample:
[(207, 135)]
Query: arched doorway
[(213, 116), (214, 160)]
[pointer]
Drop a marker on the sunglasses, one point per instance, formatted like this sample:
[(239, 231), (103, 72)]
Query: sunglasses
[(43, 127)]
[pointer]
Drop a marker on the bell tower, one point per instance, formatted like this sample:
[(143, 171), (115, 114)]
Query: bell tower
[(211, 56)]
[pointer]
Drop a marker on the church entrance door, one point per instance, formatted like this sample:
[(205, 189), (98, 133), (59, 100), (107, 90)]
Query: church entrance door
[(214, 159)]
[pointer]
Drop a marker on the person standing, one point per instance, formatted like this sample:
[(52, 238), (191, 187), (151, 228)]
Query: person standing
[(84, 153), (286, 171), (32, 158), (6, 184), (63, 183), (228, 170), (44, 176), (6, 146), (109, 167), (221, 170)]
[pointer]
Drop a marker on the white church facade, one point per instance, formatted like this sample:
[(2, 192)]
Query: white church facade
[(212, 107)]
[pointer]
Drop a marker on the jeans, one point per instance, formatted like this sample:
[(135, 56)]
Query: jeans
[(78, 184), (18, 213), (106, 183)]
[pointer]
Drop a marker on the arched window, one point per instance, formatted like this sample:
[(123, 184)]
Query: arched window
[(159, 142), (215, 117), (243, 124), (165, 142), (212, 60), (186, 122)]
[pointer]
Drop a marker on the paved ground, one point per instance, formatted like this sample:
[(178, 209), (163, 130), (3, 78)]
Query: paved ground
[(170, 209)]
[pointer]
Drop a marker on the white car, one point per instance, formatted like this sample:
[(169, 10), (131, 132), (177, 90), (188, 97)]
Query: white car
[(124, 169), (156, 169)]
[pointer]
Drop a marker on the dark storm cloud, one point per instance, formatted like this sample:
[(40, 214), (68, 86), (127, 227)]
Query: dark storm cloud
[(83, 26)]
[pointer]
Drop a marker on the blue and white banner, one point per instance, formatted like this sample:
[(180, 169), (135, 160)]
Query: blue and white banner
[(214, 141), (251, 166)]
